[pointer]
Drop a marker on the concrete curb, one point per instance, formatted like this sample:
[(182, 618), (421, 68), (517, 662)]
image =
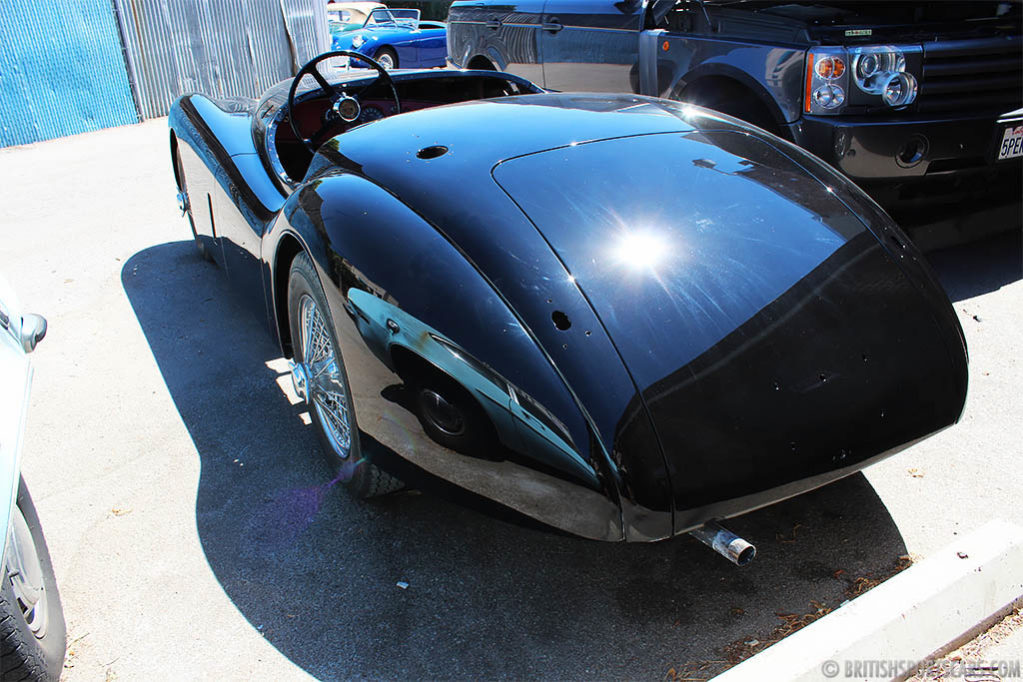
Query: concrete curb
[(941, 601)]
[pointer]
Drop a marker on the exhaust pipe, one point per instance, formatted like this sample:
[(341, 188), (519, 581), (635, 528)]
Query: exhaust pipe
[(725, 542)]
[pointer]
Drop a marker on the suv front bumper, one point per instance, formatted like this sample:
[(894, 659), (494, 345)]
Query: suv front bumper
[(918, 169)]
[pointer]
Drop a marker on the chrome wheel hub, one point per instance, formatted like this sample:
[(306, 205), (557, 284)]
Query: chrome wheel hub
[(318, 380), (25, 572), (300, 381)]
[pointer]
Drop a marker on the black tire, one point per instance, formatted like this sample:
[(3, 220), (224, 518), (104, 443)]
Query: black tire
[(183, 187), (387, 53), (362, 478), (24, 654)]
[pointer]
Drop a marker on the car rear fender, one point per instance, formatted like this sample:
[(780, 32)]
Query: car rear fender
[(411, 312)]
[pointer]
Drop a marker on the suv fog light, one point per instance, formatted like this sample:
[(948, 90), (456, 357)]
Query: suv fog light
[(912, 151), (900, 90)]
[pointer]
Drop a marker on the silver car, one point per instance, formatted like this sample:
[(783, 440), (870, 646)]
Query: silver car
[(32, 628)]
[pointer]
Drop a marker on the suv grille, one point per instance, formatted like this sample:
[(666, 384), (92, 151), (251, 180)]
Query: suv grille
[(972, 75)]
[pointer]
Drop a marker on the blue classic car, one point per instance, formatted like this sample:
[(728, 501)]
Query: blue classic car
[(396, 37)]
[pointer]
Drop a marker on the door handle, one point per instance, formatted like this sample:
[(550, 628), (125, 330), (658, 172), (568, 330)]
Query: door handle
[(552, 25), (493, 23)]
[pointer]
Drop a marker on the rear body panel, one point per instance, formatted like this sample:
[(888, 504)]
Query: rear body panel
[(771, 341), (782, 344)]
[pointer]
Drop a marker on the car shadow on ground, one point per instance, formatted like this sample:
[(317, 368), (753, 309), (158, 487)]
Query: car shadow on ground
[(969, 270), (317, 572)]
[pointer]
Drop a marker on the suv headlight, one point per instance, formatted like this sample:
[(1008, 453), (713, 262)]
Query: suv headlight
[(899, 90), (859, 79)]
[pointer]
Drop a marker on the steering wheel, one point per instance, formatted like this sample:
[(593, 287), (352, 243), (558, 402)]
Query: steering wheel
[(344, 104)]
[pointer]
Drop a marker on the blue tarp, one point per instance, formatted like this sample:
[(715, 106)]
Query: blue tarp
[(62, 70)]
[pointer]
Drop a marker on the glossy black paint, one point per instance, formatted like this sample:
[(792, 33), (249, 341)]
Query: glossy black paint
[(446, 317), (788, 336)]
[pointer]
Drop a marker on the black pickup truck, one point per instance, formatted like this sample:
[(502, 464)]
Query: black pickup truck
[(918, 102)]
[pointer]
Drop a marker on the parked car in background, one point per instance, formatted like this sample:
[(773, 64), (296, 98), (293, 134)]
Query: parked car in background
[(348, 16), (907, 99), (396, 38), (32, 629), (619, 315)]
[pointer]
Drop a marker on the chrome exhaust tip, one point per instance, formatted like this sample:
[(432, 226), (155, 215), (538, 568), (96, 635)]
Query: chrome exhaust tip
[(725, 542)]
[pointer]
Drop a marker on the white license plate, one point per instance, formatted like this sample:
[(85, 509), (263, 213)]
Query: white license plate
[(1012, 143)]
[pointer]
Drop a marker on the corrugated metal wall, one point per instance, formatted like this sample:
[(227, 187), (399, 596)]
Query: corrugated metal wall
[(61, 70), (71, 68), (222, 48)]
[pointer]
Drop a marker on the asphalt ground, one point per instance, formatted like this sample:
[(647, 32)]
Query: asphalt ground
[(195, 532)]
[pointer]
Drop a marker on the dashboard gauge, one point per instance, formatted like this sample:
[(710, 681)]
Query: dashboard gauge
[(371, 114), (347, 108)]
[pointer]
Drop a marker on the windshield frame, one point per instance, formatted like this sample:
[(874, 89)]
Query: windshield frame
[(394, 18)]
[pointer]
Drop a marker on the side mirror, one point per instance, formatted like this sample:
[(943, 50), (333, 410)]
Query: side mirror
[(33, 329)]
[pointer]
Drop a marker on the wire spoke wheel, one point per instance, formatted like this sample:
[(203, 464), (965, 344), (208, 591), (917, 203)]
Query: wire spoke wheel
[(324, 385), (386, 59), (320, 381)]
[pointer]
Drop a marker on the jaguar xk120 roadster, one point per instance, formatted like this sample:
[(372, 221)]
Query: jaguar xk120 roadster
[(621, 316)]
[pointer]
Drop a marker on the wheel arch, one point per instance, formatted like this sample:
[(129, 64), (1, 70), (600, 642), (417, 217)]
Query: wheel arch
[(481, 63), (287, 250), (725, 81), (394, 49), (174, 159)]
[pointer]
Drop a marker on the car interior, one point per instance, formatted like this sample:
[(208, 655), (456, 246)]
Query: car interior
[(316, 118)]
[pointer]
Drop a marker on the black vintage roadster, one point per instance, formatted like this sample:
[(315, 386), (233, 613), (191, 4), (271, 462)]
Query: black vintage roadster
[(622, 316)]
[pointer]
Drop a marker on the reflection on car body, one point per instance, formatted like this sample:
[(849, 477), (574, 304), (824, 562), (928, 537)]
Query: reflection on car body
[(518, 422)]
